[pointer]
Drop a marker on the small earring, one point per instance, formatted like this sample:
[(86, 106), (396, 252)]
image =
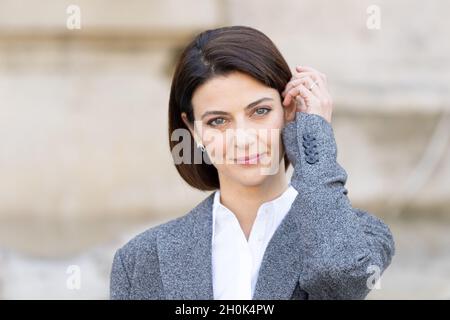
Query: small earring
[(201, 146)]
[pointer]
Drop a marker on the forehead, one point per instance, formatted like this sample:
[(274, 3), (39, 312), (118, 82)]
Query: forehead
[(233, 91)]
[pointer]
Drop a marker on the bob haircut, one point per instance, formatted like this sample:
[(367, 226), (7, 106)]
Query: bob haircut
[(218, 52)]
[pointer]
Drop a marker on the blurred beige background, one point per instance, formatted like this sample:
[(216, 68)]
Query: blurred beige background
[(84, 156)]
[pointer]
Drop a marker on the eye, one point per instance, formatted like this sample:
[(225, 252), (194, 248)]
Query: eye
[(212, 122), (262, 111)]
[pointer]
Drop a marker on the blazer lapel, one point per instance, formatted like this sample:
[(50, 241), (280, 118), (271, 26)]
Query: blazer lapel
[(184, 251), (280, 268)]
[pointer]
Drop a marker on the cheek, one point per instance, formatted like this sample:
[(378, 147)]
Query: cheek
[(277, 127), (272, 137), (216, 145)]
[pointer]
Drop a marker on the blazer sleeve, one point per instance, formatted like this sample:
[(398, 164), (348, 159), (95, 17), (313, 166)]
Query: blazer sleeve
[(119, 281), (346, 248)]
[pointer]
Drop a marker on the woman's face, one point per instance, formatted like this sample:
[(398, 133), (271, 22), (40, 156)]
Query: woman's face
[(237, 117)]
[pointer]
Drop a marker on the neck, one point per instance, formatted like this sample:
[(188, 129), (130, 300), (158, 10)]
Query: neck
[(244, 201)]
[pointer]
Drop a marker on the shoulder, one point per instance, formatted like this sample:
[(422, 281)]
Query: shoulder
[(135, 271), (145, 243)]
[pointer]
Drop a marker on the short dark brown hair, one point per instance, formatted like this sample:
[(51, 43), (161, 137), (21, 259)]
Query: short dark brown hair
[(217, 52)]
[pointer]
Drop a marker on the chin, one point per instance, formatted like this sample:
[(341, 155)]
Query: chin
[(251, 177)]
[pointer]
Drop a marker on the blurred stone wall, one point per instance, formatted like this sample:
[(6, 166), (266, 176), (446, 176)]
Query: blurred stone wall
[(83, 112)]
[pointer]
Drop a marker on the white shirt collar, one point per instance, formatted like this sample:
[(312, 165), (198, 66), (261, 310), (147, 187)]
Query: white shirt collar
[(279, 205)]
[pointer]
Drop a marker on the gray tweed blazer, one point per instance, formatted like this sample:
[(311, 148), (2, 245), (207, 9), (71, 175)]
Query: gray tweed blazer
[(323, 249)]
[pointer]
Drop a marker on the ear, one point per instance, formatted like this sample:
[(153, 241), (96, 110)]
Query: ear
[(188, 124), (186, 121)]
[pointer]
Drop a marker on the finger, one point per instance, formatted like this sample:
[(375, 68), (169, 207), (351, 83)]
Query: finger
[(308, 82), (300, 90), (305, 68), (311, 85), (291, 94), (312, 102), (300, 75), (301, 104), (316, 76), (321, 93), (299, 80), (323, 87)]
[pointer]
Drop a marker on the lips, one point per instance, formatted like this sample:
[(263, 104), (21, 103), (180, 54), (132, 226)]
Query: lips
[(253, 159)]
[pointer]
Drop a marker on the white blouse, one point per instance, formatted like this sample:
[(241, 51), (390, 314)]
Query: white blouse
[(236, 261)]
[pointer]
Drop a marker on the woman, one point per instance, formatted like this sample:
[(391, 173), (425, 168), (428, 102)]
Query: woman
[(258, 236)]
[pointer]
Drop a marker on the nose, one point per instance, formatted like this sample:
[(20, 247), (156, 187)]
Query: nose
[(245, 139)]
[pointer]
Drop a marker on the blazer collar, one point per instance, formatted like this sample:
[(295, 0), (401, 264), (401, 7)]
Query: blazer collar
[(185, 252)]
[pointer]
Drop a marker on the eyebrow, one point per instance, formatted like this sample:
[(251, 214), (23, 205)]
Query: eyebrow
[(254, 103)]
